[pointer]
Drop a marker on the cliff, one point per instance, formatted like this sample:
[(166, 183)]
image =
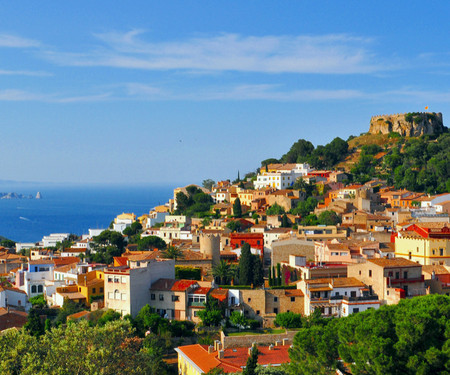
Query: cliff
[(408, 124)]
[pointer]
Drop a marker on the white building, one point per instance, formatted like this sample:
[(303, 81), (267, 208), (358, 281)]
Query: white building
[(337, 297), (34, 280), (54, 238), (155, 217), (12, 297), (127, 289), (282, 177)]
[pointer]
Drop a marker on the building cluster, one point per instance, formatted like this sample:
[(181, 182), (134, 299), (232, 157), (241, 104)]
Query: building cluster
[(388, 245)]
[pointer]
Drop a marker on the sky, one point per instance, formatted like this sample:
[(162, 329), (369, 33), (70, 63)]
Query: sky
[(162, 92)]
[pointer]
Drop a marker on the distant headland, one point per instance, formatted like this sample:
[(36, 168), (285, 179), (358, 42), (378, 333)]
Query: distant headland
[(13, 195)]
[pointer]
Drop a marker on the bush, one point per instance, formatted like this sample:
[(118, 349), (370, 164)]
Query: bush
[(254, 324), (189, 273)]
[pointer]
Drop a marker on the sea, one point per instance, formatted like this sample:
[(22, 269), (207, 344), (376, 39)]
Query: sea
[(72, 209)]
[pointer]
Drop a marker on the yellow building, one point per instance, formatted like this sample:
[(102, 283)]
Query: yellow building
[(91, 284), (424, 243)]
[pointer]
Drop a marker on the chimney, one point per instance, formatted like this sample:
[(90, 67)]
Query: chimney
[(219, 346), (277, 343), (250, 350), (285, 341), (271, 347), (210, 349), (216, 345), (221, 354)]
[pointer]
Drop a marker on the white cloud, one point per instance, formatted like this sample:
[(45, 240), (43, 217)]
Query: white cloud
[(326, 54), (13, 41), (24, 73)]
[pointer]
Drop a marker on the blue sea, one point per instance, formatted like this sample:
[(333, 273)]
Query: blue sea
[(73, 209)]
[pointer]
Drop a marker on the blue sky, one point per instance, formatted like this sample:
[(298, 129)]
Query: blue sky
[(148, 92)]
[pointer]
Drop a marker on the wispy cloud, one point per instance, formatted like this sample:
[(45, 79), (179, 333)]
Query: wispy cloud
[(25, 73), (14, 41), (324, 54)]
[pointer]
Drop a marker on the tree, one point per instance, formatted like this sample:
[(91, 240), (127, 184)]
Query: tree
[(234, 225), (239, 320), (310, 220), (252, 362), (284, 221), (237, 208), (213, 313), (108, 316), (34, 324), (208, 184), (221, 271), (246, 265), (258, 271), (38, 301), (328, 218), (275, 209), (69, 307), (150, 243), (289, 320), (172, 252)]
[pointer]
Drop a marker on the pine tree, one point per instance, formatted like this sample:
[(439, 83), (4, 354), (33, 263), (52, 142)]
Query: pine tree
[(245, 265), (252, 362)]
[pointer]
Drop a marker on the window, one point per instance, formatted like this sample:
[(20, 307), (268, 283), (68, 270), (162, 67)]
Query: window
[(275, 310), (124, 280), (152, 296), (360, 272), (249, 300), (116, 279), (258, 312), (195, 313), (370, 273), (33, 289), (101, 290), (275, 299), (390, 274), (110, 279), (405, 274), (292, 299), (124, 297), (397, 275), (116, 294), (175, 298), (93, 290), (355, 309), (110, 295), (441, 252), (161, 297), (40, 289)]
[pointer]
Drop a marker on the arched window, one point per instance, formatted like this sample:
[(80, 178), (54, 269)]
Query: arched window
[(40, 289), (116, 294), (33, 289)]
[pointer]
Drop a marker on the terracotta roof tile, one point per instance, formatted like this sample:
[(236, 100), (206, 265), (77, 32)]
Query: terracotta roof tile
[(395, 262)]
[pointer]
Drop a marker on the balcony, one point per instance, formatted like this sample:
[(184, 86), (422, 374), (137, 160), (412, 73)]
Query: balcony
[(392, 281), (196, 304)]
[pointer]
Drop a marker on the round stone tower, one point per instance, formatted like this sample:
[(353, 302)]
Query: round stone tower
[(210, 246)]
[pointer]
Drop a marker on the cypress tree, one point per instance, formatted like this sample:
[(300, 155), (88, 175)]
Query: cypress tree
[(284, 221), (279, 274), (258, 271), (270, 276), (237, 209), (246, 265), (252, 362)]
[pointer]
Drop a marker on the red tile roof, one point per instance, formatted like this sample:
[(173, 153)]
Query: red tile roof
[(182, 285)]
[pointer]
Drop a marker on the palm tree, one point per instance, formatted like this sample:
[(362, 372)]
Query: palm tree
[(172, 252), (222, 271)]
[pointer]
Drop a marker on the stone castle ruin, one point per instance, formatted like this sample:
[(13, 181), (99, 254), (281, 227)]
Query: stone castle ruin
[(412, 124)]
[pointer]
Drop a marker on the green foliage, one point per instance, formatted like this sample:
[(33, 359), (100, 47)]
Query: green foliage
[(234, 225), (252, 362), (213, 313), (208, 184), (328, 218), (7, 243), (195, 203), (108, 316), (78, 349), (34, 325), (270, 370), (284, 221), (298, 152), (172, 252), (221, 272), (289, 320), (310, 220), (304, 208), (246, 265), (275, 209), (239, 320), (371, 149), (409, 338), (38, 301), (108, 237), (133, 229), (237, 208), (150, 243), (266, 162), (69, 307), (188, 273)]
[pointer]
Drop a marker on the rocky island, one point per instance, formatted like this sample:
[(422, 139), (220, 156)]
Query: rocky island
[(14, 195)]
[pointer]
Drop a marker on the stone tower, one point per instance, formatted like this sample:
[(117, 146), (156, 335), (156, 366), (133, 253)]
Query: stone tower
[(210, 246)]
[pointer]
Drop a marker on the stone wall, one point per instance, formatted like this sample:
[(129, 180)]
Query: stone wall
[(248, 340), (421, 123)]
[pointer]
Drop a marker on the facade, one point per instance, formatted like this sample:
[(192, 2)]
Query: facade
[(337, 297), (427, 245), (281, 176), (127, 289), (391, 279)]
